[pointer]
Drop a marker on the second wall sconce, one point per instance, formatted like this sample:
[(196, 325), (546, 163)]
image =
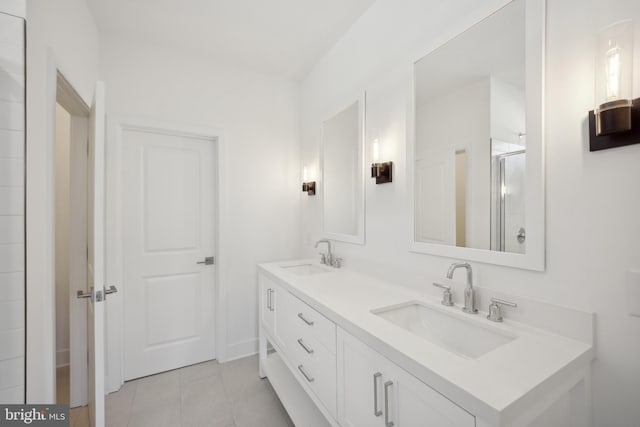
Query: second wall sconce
[(382, 172), (615, 121), (308, 186)]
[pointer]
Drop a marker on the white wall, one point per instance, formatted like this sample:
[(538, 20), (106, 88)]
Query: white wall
[(62, 205), (60, 34), (258, 116), (593, 202), (507, 111), (459, 120), (12, 126)]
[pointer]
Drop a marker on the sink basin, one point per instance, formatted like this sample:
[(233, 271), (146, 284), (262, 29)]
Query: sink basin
[(448, 330), (305, 269)]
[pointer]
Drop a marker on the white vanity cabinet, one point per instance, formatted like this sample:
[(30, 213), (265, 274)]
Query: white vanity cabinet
[(304, 340), (272, 297), (373, 391), (336, 361)]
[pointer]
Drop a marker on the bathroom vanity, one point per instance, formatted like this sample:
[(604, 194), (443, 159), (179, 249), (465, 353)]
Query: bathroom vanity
[(344, 349)]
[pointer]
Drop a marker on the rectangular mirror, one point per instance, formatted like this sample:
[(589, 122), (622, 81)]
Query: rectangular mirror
[(342, 174), (477, 142)]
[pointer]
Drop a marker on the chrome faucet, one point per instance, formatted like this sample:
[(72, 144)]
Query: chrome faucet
[(328, 257), (469, 293)]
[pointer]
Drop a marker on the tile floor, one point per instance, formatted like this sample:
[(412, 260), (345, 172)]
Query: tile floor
[(207, 394)]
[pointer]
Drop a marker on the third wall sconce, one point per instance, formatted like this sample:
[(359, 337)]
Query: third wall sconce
[(382, 172), (308, 186)]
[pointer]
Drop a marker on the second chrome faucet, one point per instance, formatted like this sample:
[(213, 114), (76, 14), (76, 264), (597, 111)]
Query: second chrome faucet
[(328, 258)]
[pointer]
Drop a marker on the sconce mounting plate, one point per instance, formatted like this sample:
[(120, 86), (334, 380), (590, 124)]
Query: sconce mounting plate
[(382, 172), (613, 140), (309, 188)]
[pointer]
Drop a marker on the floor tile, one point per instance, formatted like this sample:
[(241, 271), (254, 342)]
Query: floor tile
[(260, 410), (157, 390), (199, 371), (119, 405), (208, 394), (162, 414)]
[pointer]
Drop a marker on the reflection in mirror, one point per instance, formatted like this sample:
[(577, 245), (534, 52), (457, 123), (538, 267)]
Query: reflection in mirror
[(470, 151), (342, 175)]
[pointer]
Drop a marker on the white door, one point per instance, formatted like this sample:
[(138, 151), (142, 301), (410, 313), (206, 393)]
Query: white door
[(436, 197), (169, 224), (95, 259)]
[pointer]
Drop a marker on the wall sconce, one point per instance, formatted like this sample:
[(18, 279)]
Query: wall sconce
[(308, 186), (380, 171), (615, 121)]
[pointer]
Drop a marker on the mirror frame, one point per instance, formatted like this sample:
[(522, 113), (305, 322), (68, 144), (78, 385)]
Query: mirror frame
[(534, 258), (358, 238)]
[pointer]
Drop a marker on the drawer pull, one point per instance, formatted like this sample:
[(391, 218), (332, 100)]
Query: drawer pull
[(307, 376), (307, 349), (308, 322), (377, 412), (387, 422), (269, 298)]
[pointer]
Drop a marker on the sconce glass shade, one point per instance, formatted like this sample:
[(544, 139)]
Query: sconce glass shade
[(375, 150), (613, 77)]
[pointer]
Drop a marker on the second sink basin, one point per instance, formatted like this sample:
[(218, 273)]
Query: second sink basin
[(448, 330), (305, 269)]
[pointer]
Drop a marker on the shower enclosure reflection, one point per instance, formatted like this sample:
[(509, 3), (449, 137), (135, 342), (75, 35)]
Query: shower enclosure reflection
[(508, 163)]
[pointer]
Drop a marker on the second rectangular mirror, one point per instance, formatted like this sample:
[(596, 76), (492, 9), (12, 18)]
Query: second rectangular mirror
[(342, 174)]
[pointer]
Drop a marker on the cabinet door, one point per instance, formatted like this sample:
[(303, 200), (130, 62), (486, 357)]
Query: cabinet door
[(418, 405), (373, 391), (360, 383), (283, 318), (267, 303)]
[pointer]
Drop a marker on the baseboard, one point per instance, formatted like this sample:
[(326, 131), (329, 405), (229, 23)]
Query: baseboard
[(62, 358), (241, 349)]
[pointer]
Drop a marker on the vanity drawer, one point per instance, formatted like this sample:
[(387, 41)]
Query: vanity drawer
[(316, 367), (311, 323)]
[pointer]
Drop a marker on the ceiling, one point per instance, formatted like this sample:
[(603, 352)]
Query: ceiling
[(282, 37)]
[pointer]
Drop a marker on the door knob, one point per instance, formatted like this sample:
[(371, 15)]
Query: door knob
[(207, 261), (112, 290), (81, 294)]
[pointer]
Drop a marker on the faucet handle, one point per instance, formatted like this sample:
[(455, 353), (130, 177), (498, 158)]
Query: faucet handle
[(447, 299), (495, 314), (337, 262), (323, 258)]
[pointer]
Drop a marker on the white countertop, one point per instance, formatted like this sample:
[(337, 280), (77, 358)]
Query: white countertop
[(498, 386)]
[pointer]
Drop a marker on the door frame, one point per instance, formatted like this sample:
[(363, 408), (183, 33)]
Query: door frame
[(115, 229), (70, 100)]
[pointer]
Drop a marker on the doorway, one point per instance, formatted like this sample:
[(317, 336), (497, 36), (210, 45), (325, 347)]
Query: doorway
[(169, 224), (70, 237)]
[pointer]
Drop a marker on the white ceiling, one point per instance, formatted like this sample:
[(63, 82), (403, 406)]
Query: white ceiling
[(283, 37)]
